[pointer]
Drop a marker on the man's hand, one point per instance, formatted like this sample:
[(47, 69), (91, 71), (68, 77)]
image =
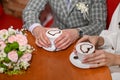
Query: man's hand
[(95, 40), (41, 38), (67, 38)]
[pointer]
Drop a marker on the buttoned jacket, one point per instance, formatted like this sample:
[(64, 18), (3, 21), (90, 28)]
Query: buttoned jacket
[(91, 23)]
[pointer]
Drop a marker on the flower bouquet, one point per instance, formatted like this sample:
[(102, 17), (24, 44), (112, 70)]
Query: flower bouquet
[(15, 52)]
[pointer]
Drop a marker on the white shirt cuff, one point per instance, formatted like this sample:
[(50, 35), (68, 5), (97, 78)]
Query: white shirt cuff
[(33, 26)]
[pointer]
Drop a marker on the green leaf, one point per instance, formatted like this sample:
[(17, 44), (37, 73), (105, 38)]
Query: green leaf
[(11, 46), (2, 65), (6, 59), (7, 49), (15, 72), (14, 45), (20, 53)]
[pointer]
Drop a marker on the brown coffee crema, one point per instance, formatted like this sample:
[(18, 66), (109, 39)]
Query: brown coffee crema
[(55, 32), (88, 48)]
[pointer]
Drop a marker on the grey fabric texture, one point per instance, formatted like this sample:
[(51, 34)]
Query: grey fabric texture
[(72, 18)]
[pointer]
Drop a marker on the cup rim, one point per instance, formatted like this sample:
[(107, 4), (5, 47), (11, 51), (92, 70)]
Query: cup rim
[(78, 50), (53, 36)]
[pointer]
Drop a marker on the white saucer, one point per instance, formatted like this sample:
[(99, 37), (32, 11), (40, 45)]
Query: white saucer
[(77, 62), (49, 48)]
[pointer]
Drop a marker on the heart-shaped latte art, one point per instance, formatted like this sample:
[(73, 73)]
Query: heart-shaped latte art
[(86, 48), (54, 32)]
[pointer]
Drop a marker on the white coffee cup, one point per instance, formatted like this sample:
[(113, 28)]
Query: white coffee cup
[(83, 49), (52, 34)]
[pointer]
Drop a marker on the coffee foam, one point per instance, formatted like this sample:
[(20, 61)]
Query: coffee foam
[(85, 48), (53, 33)]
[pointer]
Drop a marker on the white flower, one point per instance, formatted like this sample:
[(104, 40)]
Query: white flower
[(9, 65), (83, 8), (3, 34), (24, 64), (11, 31), (2, 54), (22, 47), (1, 70)]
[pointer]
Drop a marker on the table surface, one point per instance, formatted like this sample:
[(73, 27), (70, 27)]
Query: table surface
[(47, 65)]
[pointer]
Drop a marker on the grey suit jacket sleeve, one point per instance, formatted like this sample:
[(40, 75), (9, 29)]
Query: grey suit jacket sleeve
[(32, 12)]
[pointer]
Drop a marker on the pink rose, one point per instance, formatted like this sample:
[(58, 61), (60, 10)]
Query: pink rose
[(13, 56), (12, 39), (3, 31), (21, 39), (26, 57), (2, 44)]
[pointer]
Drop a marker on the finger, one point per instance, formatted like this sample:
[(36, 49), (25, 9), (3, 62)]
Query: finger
[(84, 38), (97, 65), (89, 56), (43, 42), (60, 38), (38, 43), (64, 42), (97, 61), (46, 40), (94, 58), (64, 45)]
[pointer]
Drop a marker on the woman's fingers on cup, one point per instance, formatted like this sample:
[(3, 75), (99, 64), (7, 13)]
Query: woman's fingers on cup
[(96, 61), (93, 57), (97, 65)]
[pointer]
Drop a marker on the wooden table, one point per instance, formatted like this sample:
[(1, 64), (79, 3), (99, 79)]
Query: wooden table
[(56, 66)]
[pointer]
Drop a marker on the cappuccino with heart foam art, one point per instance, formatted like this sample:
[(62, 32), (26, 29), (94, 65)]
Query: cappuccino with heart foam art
[(52, 34), (83, 49)]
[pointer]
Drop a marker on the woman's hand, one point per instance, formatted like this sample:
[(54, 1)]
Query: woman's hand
[(101, 58)]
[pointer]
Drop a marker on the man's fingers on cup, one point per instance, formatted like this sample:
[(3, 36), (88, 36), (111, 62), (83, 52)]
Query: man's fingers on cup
[(37, 43), (45, 39), (64, 45), (60, 38), (41, 43), (61, 42)]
